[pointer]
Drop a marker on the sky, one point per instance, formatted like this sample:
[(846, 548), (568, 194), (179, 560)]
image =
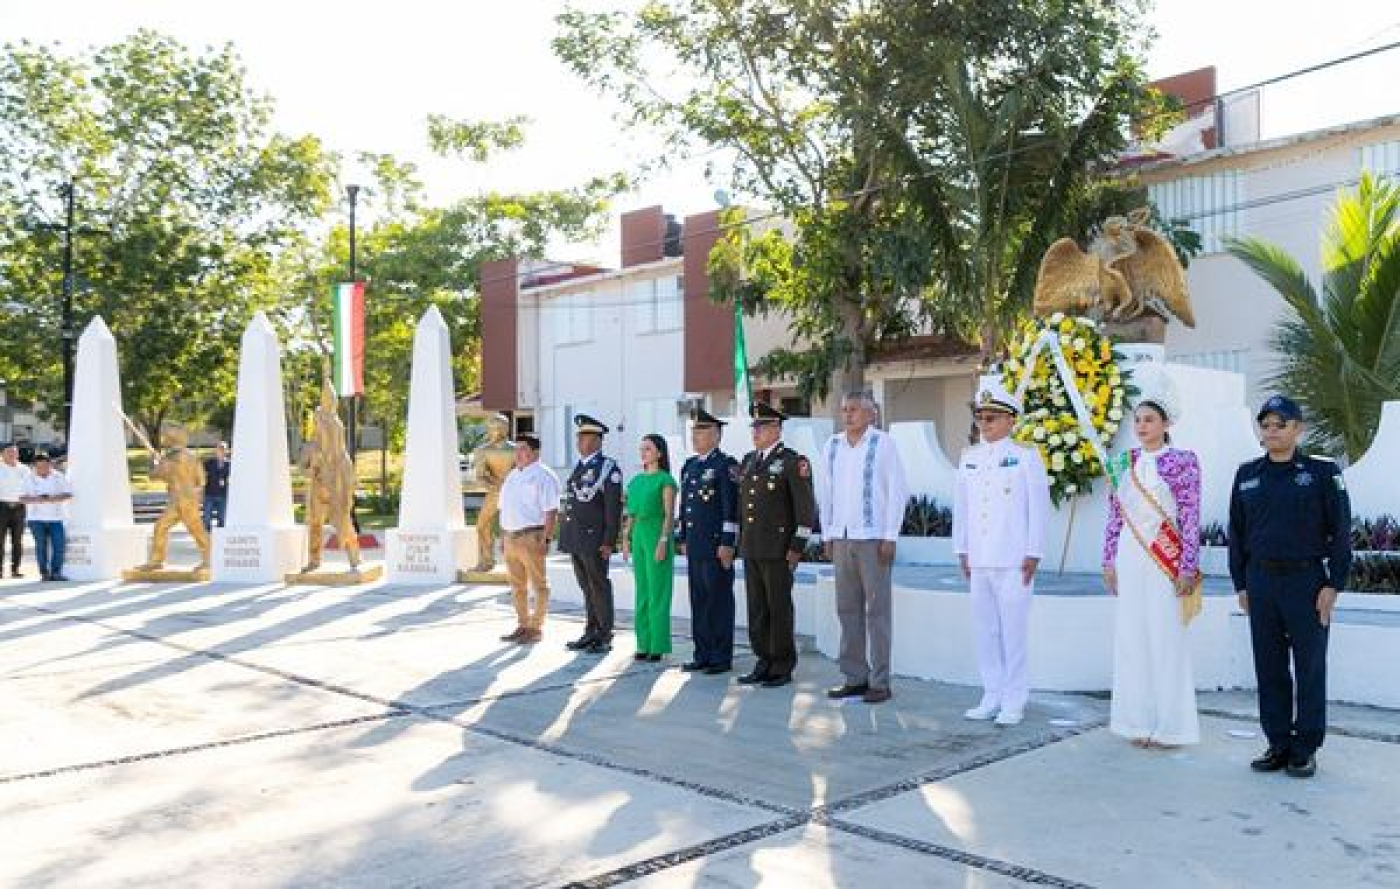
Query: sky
[(365, 76)]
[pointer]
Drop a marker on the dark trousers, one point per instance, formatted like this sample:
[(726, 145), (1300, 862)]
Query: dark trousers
[(1283, 627), (49, 540), (768, 583), (591, 572), (215, 505), (12, 528), (711, 611)]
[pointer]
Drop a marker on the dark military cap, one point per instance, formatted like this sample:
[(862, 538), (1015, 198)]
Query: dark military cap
[(532, 440), (702, 419), (764, 413), (585, 423), (1285, 407), (41, 457)]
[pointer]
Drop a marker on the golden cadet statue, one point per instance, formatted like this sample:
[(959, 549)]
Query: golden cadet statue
[(492, 462), (183, 475), (330, 483), (1130, 272)]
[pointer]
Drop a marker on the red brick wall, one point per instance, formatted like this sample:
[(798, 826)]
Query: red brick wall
[(643, 236), (500, 307), (709, 328)]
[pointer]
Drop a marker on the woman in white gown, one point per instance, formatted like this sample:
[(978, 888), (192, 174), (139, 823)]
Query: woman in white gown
[(1150, 557)]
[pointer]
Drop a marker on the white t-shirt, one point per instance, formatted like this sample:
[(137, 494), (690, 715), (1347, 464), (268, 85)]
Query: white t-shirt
[(527, 495), (12, 481), (51, 484)]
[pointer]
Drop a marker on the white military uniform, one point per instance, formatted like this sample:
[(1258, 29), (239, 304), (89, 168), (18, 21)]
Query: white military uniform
[(1000, 508)]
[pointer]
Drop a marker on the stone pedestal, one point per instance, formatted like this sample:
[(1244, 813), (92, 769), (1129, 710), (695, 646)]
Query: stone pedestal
[(432, 556), (366, 572), (257, 555), (103, 553)]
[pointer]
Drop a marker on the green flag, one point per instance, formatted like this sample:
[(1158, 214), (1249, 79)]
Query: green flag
[(743, 392)]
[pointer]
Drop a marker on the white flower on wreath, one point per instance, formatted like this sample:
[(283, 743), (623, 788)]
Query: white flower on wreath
[(1042, 413), (1115, 414), (1079, 343), (1054, 440), (1058, 401), (1057, 317), (1057, 461), (1071, 488), (1070, 438), (1038, 434), (1064, 339), (1077, 457)]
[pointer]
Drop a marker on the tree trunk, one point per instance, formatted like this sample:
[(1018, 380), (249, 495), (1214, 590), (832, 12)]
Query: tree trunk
[(850, 375)]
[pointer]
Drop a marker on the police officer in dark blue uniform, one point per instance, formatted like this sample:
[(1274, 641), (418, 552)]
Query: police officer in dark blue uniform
[(705, 535), (589, 521), (1290, 552)]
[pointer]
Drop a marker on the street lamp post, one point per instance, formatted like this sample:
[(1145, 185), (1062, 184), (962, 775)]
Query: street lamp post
[(66, 332), (353, 192)]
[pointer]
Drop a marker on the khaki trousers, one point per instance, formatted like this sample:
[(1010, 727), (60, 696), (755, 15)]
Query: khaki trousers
[(525, 551)]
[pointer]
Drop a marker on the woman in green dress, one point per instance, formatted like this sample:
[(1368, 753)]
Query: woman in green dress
[(646, 540)]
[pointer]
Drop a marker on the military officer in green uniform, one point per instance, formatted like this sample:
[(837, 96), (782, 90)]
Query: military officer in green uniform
[(777, 509)]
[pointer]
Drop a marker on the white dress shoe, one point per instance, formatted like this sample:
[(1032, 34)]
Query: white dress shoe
[(1009, 717), (981, 713)]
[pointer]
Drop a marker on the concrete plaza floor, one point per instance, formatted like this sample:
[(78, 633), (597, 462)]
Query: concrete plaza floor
[(227, 736)]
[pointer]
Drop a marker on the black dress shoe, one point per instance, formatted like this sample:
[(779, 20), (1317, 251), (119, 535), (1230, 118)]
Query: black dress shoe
[(580, 643), (654, 658), (777, 681), (15, 572), (1302, 768), (640, 656), (717, 669), (1271, 760), (753, 678), (58, 577), (848, 690), (693, 667), (598, 648)]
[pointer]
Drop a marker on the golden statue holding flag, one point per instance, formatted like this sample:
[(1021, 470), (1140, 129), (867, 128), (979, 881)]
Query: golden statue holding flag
[(330, 483)]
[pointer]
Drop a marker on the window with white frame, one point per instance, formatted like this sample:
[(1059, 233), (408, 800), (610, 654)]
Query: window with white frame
[(570, 317), (1209, 205), (656, 304), (1381, 160)]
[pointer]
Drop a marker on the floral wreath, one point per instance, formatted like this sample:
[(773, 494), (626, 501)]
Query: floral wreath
[(1048, 420)]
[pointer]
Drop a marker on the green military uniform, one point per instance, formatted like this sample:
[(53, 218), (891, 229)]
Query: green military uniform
[(777, 509)]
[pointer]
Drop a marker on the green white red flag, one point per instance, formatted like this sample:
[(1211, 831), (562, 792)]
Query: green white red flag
[(348, 321)]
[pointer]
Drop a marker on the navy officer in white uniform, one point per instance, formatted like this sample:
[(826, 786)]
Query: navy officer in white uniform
[(1000, 508)]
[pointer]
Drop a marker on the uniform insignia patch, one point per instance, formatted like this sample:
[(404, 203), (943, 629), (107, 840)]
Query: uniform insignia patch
[(1341, 482), (775, 467), (1303, 478), (708, 474), (1009, 461), (1249, 484), (734, 473), (616, 477)]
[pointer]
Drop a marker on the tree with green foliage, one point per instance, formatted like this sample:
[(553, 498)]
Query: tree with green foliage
[(925, 154), (413, 255), (1339, 350), (185, 200)]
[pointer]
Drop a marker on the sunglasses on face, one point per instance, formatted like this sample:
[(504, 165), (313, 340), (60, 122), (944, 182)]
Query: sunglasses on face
[(989, 416)]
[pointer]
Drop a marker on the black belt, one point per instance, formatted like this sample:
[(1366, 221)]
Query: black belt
[(1283, 566), (521, 532)]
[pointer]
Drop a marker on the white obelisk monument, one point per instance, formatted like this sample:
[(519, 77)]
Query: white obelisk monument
[(432, 540), (103, 539), (261, 542)]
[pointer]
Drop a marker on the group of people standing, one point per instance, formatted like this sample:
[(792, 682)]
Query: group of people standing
[(36, 496), (1289, 538)]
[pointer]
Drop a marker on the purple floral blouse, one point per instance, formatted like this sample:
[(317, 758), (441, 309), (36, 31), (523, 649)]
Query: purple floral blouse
[(1182, 473)]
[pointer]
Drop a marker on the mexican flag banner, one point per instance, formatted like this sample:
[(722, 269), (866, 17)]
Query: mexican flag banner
[(348, 314)]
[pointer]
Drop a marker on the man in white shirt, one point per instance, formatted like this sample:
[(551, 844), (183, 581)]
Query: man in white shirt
[(45, 498), (529, 508), (1000, 508), (14, 478), (862, 498)]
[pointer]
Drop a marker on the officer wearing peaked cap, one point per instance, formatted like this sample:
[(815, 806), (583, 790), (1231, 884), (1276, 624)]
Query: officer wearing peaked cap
[(706, 535), (590, 518), (1290, 553), (1001, 504), (777, 509)]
